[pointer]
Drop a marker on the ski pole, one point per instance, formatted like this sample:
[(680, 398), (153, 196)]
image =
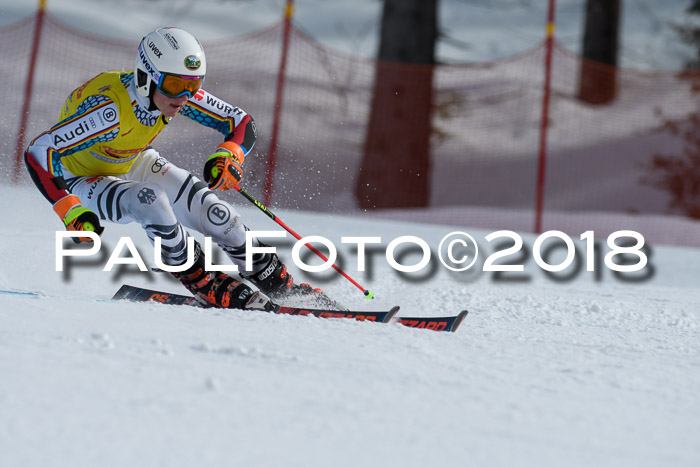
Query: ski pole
[(263, 208)]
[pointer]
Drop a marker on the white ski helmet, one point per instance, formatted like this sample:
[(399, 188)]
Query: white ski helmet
[(171, 60)]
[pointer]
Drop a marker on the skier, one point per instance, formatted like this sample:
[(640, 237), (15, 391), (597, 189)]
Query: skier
[(97, 164)]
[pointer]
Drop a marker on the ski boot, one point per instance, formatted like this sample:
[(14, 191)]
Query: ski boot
[(277, 283), (217, 289)]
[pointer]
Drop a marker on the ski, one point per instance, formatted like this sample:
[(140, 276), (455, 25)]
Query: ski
[(442, 324), (138, 294)]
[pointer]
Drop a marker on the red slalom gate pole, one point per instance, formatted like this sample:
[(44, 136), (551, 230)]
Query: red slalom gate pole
[(271, 215), (29, 86), (279, 95), (544, 125)]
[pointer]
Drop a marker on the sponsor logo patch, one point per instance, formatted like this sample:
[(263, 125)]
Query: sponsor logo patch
[(172, 41), (192, 62), (218, 214), (109, 115), (268, 270), (158, 165), (154, 48), (146, 196), (85, 127)]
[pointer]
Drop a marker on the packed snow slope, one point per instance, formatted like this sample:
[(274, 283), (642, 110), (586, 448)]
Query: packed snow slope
[(542, 373)]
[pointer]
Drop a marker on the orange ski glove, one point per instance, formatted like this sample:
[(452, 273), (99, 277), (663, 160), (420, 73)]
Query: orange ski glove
[(223, 168)]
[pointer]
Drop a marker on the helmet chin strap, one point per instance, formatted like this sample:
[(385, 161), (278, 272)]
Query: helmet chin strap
[(151, 103), (146, 102)]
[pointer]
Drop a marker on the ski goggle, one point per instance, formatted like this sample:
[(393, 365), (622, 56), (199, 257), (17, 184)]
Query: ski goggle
[(178, 85)]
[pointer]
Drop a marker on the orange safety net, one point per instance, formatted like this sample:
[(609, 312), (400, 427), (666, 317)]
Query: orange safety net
[(454, 144)]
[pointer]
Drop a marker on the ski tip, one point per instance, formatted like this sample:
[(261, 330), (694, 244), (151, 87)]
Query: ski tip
[(391, 314), (440, 324), (458, 321), (123, 292)]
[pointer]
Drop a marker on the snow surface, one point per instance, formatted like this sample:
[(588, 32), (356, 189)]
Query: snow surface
[(541, 373)]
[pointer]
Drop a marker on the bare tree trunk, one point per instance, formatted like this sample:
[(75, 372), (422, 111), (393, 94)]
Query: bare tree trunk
[(598, 81), (396, 162)]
